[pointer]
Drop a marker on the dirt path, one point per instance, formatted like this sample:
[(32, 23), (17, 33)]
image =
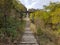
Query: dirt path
[(28, 37)]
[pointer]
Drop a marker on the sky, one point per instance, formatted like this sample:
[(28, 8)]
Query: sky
[(36, 4)]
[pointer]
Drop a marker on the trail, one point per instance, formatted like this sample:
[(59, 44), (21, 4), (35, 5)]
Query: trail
[(28, 37)]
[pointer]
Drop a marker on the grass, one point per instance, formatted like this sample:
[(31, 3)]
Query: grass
[(33, 27), (44, 36)]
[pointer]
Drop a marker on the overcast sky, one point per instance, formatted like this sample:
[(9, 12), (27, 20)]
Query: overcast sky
[(37, 4)]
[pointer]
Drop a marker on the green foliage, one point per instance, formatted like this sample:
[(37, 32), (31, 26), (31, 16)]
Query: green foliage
[(39, 32), (11, 25)]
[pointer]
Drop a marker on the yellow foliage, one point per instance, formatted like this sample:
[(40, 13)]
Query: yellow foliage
[(55, 17)]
